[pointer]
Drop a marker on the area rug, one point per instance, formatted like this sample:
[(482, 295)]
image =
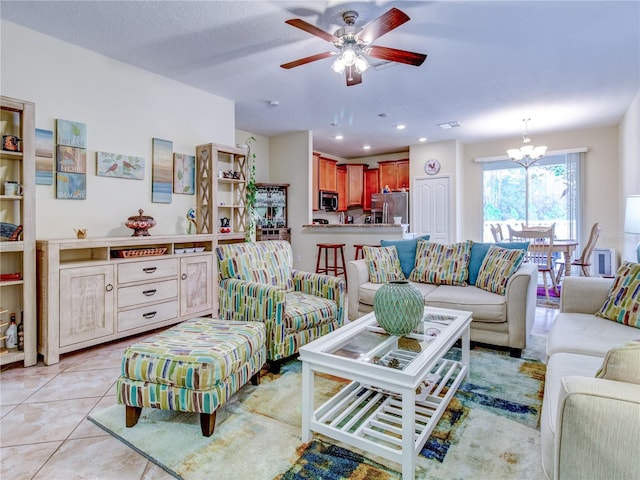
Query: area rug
[(490, 430), (554, 297)]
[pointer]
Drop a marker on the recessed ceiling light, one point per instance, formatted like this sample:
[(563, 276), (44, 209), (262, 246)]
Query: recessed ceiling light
[(338, 137), (401, 127), (448, 125), (422, 139), (366, 147)]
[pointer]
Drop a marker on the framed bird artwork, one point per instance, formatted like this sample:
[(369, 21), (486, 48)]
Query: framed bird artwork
[(119, 166)]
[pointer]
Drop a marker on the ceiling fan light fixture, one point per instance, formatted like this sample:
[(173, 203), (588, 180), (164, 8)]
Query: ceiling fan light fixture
[(361, 64), (348, 56), (338, 65)]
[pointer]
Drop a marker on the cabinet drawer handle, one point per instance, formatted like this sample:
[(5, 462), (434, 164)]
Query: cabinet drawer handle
[(148, 293), (149, 314), (184, 276), (109, 287), (149, 269)]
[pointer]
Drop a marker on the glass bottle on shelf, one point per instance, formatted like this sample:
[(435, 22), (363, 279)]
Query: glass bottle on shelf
[(12, 333)]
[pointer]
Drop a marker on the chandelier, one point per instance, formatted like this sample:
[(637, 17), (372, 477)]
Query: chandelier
[(527, 154)]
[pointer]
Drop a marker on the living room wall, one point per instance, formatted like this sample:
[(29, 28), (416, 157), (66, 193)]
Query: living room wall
[(124, 108)]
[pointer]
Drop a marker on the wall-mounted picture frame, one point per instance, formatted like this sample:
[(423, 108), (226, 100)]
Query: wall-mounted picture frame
[(184, 174), (71, 186), (45, 165), (72, 134), (161, 171), (117, 165), (71, 159)]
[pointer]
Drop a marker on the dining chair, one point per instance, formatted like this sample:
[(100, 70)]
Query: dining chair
[(496, 231), (584, 262), (540, 252)]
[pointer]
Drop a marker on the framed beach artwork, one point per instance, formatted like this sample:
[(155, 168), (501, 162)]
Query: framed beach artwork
[(184, 174), (119, 166), (71, 186), (44, 157), (161, 171), (71, 159), (73, 134)]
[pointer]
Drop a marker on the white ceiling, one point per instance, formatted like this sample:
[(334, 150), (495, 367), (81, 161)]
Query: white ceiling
[(566, 65)]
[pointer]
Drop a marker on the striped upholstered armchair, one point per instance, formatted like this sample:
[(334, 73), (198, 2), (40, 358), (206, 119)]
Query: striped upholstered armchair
[(258, 283)]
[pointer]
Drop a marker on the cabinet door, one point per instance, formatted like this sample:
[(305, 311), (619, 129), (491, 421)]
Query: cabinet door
[(342, 188), (327, 175), (402, 174), (388, 175), (370, 186), (196, 285), (87, 300), (355, 183)]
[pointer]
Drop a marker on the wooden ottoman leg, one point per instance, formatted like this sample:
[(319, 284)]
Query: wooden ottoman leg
[(207, 423), (132, 415), (255, 380)]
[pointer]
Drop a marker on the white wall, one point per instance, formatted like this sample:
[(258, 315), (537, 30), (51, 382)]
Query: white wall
[(261, 149), (124, 108), (630, 169)]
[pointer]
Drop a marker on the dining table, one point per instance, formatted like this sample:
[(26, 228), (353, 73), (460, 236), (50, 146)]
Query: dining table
[(564, 246)]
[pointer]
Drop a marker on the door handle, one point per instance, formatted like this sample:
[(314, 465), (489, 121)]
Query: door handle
[(149, 314), (149, 293), (149, 269), (109, 287)]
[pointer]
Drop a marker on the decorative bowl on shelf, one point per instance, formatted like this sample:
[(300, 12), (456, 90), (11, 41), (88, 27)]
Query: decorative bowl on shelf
[(140, 224)]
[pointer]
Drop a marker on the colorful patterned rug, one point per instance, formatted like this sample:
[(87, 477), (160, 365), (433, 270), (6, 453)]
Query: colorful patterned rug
[(490, 430)]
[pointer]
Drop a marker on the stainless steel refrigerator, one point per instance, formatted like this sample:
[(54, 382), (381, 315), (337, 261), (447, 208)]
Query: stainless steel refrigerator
[(385, 206)]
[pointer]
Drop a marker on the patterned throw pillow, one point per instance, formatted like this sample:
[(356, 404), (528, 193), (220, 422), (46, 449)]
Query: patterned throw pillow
[(383, 264), (623, 301), (497, 267), (440, 264)]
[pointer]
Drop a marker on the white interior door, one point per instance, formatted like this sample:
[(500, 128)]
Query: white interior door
[(432, 208)]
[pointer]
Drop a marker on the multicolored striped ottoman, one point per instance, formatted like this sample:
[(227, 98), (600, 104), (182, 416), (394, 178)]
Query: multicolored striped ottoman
[(194, 366)]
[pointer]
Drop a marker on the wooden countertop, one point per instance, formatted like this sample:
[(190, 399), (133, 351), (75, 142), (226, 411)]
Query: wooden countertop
[(352, 225)]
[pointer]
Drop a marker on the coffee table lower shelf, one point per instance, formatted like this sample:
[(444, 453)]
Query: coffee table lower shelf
[(371, 418)]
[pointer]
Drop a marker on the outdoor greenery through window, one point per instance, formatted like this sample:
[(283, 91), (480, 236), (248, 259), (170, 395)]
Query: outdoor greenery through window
[(554, 193)]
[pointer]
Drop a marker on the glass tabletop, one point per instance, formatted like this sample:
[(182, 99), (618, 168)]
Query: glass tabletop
[(373, 345)]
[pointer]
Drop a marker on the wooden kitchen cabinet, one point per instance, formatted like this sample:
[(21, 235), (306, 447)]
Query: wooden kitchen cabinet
[(341, 173), (355, 184), (394, 174), (327, 175), (96, 290), (371, 186), (315, 181)]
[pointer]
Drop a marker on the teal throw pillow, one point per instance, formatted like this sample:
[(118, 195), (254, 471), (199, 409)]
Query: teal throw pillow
[(479, 250), (406, 252)]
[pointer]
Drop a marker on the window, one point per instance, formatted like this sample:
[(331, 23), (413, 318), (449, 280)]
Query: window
[(554, 193)]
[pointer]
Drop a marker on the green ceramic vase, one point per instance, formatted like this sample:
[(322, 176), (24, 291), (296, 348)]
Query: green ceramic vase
[(398, 307)]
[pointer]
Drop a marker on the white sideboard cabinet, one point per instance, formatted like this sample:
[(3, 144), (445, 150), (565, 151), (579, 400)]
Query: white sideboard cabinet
[(92, 291)]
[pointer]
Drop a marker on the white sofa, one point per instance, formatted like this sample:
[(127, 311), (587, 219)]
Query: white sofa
[(501, 320), (590, 427)]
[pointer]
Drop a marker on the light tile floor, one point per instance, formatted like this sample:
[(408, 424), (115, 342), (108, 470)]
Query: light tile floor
[(44, 431)]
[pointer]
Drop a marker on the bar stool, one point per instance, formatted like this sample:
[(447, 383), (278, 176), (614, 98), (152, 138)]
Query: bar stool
[(334, 268)]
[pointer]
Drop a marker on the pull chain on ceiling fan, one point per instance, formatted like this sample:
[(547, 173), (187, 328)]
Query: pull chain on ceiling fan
[(354, 44)]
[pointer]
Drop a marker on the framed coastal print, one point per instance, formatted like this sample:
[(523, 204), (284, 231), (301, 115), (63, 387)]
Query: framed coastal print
[(119, 166), (72, 134), (71, 186), (184, 174), (44, 157), (161, 171)]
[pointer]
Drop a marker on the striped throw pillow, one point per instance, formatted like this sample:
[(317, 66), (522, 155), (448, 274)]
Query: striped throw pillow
[(441, 264), (497, 267), (383, 263), (623, 302)]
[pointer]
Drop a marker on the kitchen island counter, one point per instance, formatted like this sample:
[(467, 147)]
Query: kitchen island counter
[(353, 225)]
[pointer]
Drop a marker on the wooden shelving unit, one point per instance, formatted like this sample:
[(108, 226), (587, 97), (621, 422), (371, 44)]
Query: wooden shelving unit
[(18, 296), (220, 194)]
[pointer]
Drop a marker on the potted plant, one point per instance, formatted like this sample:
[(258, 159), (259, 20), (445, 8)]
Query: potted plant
[(251, 191)]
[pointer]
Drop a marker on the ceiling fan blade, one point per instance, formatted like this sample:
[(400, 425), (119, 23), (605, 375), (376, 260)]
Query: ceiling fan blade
[(353, 77), (381, 25), (302, 61), (312, 29), (395, 55)]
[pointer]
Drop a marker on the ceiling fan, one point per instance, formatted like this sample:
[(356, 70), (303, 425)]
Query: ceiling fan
[(354, 44)]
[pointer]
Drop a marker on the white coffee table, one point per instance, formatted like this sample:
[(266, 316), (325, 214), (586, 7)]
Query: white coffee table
[(379, 411)]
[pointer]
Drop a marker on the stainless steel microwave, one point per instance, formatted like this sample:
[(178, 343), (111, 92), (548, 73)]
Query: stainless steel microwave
[(328, 201)]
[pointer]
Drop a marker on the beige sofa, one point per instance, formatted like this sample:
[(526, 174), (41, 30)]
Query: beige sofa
[(590, 427), (501, 320)]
